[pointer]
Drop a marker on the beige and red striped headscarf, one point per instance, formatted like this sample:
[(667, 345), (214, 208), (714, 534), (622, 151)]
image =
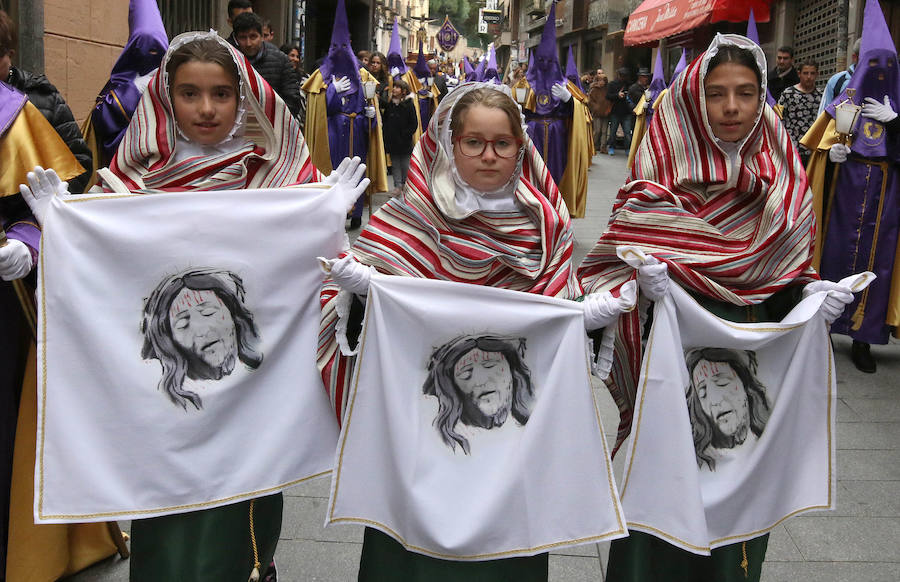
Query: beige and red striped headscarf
[(734, 232), (422, 234), (275, 153)]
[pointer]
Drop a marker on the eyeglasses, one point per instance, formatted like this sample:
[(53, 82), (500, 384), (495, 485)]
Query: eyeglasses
[(505, 146)]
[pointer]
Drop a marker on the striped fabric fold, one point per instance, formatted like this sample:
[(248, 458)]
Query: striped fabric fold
[(736, 239)]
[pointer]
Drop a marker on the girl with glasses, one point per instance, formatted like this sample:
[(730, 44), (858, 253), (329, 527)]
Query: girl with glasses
[(479, 207)]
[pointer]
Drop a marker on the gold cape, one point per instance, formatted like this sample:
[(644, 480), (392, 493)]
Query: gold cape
[(31, 141), (317, 133), (819, 139), (640, 125)]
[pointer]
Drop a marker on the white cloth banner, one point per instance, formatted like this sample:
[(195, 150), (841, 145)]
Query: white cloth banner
[(734, 426), (471, 431), (177, 346)]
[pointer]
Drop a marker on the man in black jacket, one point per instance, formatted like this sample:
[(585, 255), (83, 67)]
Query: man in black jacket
[(621, 114), (271, 63), (48, 101), (784, 74)]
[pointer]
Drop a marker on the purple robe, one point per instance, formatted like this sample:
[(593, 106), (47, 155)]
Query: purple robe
[(861, 235), (550, 134)]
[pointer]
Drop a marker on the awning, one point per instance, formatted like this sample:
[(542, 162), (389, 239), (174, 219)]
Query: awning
[(656, 19)]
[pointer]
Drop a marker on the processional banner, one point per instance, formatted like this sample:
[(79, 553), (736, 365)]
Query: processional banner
[(734, 424), (176, 350), (471, 431)]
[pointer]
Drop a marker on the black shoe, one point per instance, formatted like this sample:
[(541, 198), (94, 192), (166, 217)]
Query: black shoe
[(862, 357), (355, 222)]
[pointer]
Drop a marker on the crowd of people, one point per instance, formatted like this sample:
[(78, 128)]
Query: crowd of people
[(478, 172)]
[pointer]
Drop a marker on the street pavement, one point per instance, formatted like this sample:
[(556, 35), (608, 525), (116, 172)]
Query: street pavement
[(858, 542)]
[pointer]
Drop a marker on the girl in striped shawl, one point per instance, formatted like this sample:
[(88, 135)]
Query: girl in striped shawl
[(718, 198), (479, 207)]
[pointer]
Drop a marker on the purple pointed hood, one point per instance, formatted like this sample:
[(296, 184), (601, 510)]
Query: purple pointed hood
[(468, 70), (658, 82), (545, 72), (876, 76), (422, 69), (753, 34), (490, 68), (147, 41), (478, 75), (680, 65), (395, 57), (572, 70), (340, 61)]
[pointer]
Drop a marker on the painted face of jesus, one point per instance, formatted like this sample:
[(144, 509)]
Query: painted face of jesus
[(203, 328), (722, 397), (485, 381)]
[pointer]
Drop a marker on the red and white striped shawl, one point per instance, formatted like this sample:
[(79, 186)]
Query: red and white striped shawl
[(410, 236), (277, 156), (737, 245)]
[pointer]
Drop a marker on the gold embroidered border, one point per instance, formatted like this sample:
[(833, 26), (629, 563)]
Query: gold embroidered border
[(495, 555)]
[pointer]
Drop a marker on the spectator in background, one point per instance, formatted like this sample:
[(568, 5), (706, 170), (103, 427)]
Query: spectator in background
[(800, 105), (399, 125), (49, 102), (236, 7), (620, 114), (637, 89), (378, 69), (293, 54), (267, 33), (272, 64), (838, 81), (784, 74), (363, 58), (600, 107)]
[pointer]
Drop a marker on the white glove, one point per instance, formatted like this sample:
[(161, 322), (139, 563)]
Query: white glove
[(653, 277), (347, 166), (878, 111), (370, 111), (452, 82), (347, 180), (395, 71), (838, 153), (341, 85), (350, 274), (839, 296), (602, 309), (560, 92), (44, 185), (15, 260)]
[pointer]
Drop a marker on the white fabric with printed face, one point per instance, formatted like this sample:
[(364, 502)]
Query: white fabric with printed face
[(177, 345), (471, 431), (735, 429)]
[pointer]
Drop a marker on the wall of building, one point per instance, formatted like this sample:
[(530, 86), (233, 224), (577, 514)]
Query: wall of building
[(82, 40)]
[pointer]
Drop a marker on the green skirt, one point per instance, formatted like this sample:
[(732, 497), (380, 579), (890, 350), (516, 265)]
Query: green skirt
[(642, 557), (212, 545), (384, 559)]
